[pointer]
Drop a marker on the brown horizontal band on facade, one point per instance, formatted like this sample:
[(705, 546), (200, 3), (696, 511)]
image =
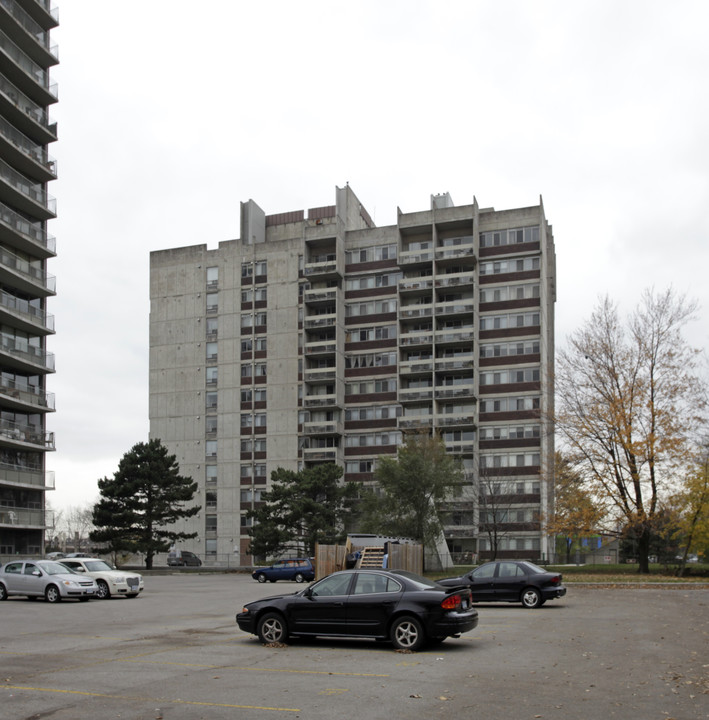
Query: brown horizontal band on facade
[(524, 471), (370, 345), (503, 360), (371, 292), (364, 372), (369, 319), (509, 277), (510, 527), (260, 379), (507, 443), (246, 456), (508, 388), (261, 430), (358, 268), (370, 397), (247, 305), (258, 304), (369, 450), (365, 424), (260, 405), (532, 331), (513, 249), (359, 477), (260, 354), (260, 455), (507, 499), (509, 304), (509, 415)]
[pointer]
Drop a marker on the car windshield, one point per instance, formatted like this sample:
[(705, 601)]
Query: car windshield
[(422, 582), (55, 568), (97, 566)]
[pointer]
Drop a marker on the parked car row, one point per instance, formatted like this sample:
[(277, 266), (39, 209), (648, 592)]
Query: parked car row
[(77, 577)]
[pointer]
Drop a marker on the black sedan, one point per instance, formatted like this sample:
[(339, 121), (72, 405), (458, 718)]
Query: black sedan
[(391, 605), (510, 581)]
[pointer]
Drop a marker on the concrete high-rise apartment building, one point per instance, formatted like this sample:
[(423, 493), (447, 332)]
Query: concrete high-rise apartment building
[(319, 337), (26, 130)]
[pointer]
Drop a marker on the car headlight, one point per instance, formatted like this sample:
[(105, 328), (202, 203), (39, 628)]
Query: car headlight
[(69, 583)]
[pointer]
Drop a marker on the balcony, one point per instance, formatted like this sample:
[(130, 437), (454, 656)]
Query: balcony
[(26, 114), (416, 367), (447, 392), (21, 68), (323, 269), (323, 427), (320, 454), (319, 322), (25, 397), (455, 280), (26, 435), (456, 308), (21, 356), (314, 296), (415, 394), (461, 447), (320, 374), (24, 477), (29, 237), (453, 420), (320, 401), (35, 40), (464, 362), (455, 252), (416, 311), (17, 272), (26, 155), (25, 316), (415, 284), (327, 347), (415, 423), (415, 257), (414, 339), (453, 336), (25, 194), (21, 517)]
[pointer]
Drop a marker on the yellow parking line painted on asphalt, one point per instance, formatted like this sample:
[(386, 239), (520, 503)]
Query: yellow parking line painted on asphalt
[(254, 669), (123, 698)]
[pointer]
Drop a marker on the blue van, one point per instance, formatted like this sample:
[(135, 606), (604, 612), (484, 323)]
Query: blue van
[(298, 569)]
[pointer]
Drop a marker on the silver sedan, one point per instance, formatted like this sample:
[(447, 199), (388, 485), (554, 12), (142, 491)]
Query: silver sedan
[(44, 578)]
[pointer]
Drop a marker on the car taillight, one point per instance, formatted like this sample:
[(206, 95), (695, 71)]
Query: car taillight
[(556, 580), (455, 602)]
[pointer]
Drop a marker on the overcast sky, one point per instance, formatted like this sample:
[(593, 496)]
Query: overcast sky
[(171, 112)]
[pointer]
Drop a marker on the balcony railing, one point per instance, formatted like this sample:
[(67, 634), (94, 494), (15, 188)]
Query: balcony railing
[(29, 189), (35, 315), (29, 107), (409, 367), (452, 336), (312, 401), (320, 295), (314, 322), (320, 454), (454, 391), (455, 308), (321, 348), (34, 232), (462, 363), (455, 279), (27, 353), (26, 393), (415, 394), (322, 427), (36, 275), (21, 517), (453, 420), (14, 474), (416, 311), (34, 152), (26, 434), (415, 256), (320, 268), (422, 283), (409, 423), (30, 25), (454, 252), (320, 374), (27, 65), (416, 338)]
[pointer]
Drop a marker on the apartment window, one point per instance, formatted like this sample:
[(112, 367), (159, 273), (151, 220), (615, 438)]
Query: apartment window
[(246, 521), (260, 344), (211, 399), (260, 294), (212, 326), (212, 276), (211, 448), (246, 370), (210, 423), (247, 296), (246, 395), (247, 471), (261, 318), (246, 345), (212, 302), (210, 523), (260, 470), (211, 475), (359, 466), (260, 420), (260, 395), (211, 351), (210, 500), (247, 420), (212, 375), (247, 321), (261, 268), (247, 269), (260, 446), (260, 369)]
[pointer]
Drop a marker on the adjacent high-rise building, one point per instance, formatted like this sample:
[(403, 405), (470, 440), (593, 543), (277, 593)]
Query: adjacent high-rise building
[(26, 131), (319, 337)]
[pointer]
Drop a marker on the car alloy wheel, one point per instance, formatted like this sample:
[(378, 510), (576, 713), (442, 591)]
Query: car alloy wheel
[(261, 578), (272, 628), (407, 633), (103, 592), (52, 594), (299, 577), (531, 598)]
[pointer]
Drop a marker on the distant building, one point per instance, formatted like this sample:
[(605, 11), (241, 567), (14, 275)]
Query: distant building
[(26, 168), (319, 337)]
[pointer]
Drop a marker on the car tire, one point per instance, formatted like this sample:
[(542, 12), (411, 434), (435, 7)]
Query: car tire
[(3, 592), (531, 598), (52, 594), (272, 628), (103, 592), (261, 578), (83, 599), (299, 577), (407, 633)]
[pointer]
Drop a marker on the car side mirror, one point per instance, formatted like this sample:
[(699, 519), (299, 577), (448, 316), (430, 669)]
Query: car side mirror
[(37, 573), (308, 592)]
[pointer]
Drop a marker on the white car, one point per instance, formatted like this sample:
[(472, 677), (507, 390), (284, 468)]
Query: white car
[(44, 578), (109, 580)]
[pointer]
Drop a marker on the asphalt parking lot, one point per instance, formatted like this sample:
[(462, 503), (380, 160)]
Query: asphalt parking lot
[(176, 653)]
